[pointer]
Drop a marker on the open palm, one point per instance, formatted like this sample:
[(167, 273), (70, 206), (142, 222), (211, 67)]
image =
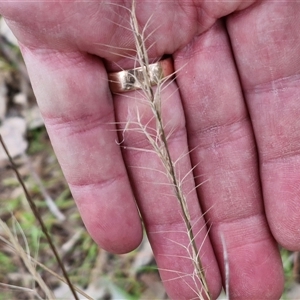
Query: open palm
[(235, 102)]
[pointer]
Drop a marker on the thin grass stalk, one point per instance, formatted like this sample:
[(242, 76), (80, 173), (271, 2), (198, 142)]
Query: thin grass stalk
[(39, 219), (160, 145)]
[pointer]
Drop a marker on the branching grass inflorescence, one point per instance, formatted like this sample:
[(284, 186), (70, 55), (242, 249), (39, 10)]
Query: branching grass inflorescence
[(159, 143)]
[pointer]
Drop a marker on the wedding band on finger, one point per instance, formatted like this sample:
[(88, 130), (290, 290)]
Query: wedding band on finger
[(130, 80)]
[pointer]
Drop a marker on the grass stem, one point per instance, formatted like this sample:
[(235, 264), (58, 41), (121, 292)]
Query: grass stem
[(160, 145)]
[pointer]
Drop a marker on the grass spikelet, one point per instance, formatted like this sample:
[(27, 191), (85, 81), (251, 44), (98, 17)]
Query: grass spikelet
[(159, 143)]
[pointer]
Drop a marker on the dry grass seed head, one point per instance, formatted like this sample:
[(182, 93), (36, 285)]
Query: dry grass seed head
[(157, 138)]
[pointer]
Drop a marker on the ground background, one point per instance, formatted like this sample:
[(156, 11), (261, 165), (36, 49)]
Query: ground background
[(100, 274)]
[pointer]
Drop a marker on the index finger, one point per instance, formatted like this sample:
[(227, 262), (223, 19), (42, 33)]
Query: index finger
[(76, 104)]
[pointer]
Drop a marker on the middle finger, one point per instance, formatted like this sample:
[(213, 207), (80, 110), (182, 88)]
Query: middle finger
[(154, 191)]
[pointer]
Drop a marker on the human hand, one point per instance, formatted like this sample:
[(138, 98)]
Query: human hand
[(237, 104)]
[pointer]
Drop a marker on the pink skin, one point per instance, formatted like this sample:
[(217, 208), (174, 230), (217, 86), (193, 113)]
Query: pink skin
[(238, 108)]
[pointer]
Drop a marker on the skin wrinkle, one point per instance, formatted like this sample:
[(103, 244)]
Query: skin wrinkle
[(249, 218), (189, 51), (276, 135), (284, 161), (282, 157), (172, 223), (230, 126), (59, 60), (95, 183), (80, 125), (280, 84)]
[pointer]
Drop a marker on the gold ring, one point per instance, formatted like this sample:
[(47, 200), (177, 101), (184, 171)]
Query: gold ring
[(130, 80)]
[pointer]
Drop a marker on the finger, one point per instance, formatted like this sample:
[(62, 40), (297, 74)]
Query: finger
[(154, 191), (225, 155), (74, 99), (266, 43)]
